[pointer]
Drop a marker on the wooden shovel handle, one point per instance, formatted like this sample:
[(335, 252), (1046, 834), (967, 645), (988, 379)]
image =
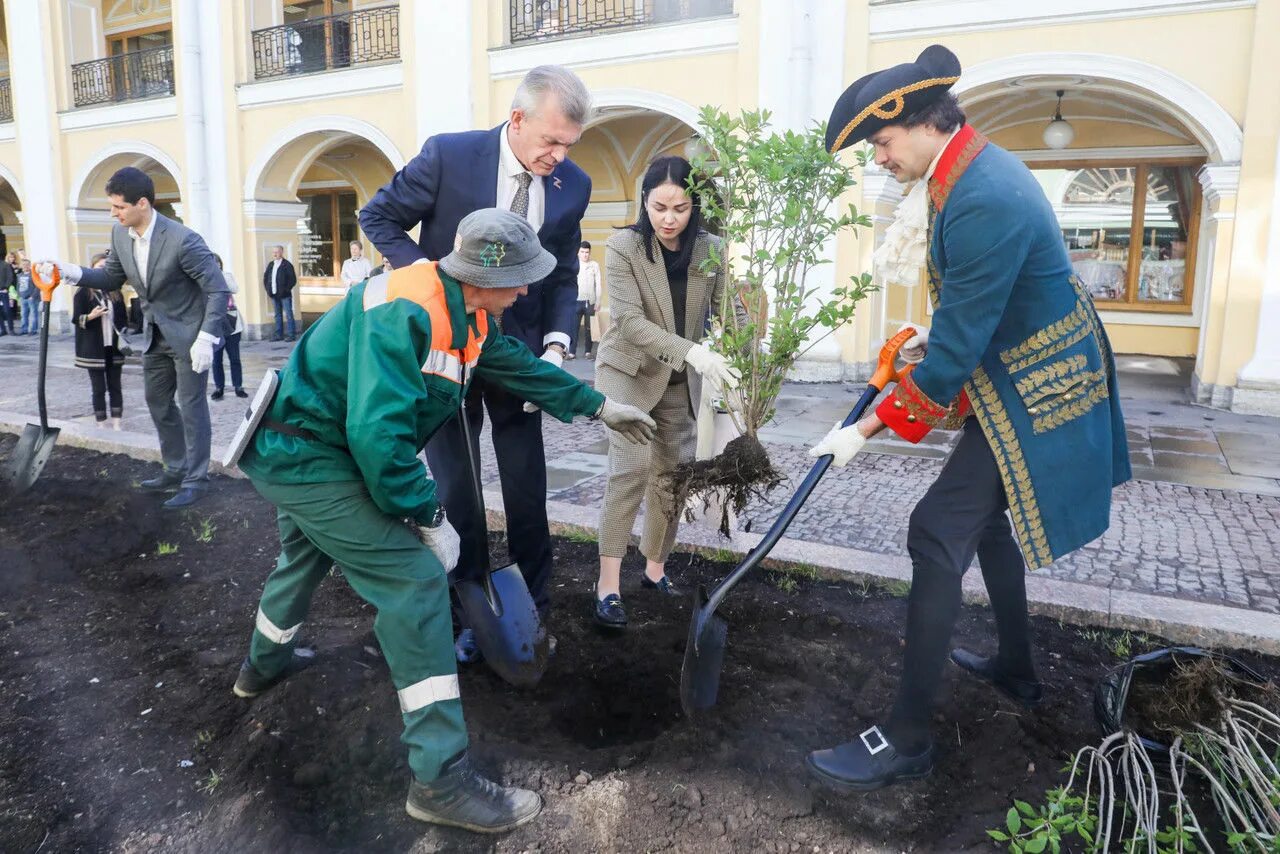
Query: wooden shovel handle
[(46, 288)]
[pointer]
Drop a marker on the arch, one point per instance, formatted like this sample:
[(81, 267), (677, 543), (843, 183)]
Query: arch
[(7, 175), (128, 146), (643, 99), (343, 125), (1212, 125)]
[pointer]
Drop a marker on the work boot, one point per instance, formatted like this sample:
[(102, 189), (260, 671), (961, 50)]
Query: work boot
[(251, 683), (1025, 692), (461, 797)]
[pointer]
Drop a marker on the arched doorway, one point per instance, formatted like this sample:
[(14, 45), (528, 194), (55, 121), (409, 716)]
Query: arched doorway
[(88, 205), (304, 192), (11, 237), (615, 150)]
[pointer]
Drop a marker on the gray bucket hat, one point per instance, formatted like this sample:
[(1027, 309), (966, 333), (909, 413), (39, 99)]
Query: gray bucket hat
[(497, 249)]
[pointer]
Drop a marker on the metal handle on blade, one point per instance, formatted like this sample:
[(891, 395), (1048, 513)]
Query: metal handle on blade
[(885, 373)]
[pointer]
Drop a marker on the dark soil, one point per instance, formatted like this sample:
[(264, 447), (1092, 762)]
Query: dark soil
[(119, 732), (729, 481), (1165, 702)]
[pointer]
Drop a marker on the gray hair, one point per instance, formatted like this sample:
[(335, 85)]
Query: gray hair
[(570, 92)]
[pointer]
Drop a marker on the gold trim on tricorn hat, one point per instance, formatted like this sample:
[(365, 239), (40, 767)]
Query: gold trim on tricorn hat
[(876, 100)]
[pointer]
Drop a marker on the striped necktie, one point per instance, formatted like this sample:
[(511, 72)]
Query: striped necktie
[(520, 204)]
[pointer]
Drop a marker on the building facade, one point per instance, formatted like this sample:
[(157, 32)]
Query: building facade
[(270, 122)]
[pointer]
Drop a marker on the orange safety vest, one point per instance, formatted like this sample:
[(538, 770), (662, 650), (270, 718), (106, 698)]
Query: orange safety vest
[(420, 283)]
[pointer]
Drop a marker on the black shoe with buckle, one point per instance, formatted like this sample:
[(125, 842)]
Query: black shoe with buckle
[(609, 613), (1024, 692), (662, 585), (251, 683), (461, 797), (868, 763)]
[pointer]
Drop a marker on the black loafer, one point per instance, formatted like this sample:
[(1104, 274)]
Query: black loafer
[(868, 763), (1022, 691), (166, 482), (184, 497), (662, 585), (217, 394), (609, 613), (241, 393)]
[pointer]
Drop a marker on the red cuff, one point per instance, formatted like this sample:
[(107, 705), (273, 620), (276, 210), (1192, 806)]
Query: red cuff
[(911, 414)]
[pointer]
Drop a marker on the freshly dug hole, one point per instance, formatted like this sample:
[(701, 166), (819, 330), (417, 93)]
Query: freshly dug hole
[(741, 472)]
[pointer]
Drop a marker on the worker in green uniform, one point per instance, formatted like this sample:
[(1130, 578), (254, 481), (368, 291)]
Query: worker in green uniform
[(337, 453)]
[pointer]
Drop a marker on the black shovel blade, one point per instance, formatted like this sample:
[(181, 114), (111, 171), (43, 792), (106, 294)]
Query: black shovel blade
[(508, 629), (703, 657), (34, 447)]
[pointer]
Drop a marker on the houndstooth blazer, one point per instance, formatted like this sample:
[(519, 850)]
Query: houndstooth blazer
[(642, 347)]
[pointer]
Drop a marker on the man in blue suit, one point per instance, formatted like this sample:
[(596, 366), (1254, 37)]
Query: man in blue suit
[(522, 165)]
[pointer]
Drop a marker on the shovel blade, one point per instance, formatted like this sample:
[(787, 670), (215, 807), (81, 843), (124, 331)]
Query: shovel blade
[(703, 657), (34, 447), (508, 629)]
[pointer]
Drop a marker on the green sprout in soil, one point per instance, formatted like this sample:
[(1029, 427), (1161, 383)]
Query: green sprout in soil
[(896, 589), (204, 737), (163, 549), (211, 783), (204, 533), (575, 535), (722, 556)]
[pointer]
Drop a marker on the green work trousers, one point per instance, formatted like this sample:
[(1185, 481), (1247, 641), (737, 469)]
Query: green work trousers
[(322, 524)]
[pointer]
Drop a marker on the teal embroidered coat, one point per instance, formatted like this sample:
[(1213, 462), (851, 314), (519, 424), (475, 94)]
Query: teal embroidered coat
[(1015, 341)]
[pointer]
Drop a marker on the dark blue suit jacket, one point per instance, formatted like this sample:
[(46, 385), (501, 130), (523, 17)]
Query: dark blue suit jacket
[(457, 173)]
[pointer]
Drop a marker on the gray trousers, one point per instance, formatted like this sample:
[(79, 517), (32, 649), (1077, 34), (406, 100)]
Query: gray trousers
[(180, 410), (636, 472)]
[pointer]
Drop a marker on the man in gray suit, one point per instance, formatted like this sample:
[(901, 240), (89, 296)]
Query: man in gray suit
[(184, 307)]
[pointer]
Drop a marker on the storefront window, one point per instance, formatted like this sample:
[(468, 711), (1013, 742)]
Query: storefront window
[(329, 225), (1131, 248)]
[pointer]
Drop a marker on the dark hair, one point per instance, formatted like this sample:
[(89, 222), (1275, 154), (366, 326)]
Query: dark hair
[(668, 170), (943, 115), (132, 184), (586, 244)]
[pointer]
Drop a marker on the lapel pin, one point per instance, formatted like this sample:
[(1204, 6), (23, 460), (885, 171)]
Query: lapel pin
[(555, 182)]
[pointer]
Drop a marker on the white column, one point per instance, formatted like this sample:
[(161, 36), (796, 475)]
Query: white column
[(800, 44), (442, 87), (33, 95), (214, 84), (879, 187), (1258, 388), (195, 194), (1220, 183)]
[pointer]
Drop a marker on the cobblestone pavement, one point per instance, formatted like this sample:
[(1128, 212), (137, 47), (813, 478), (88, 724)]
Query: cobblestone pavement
[(1201, 521)]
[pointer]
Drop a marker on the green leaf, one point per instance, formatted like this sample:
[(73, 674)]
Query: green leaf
[(1013, 821), (1025, 808), (1036, 844), (998, 836)]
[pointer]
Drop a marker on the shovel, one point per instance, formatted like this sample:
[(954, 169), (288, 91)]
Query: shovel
[(704, 648), (498, 606), (37, 440)]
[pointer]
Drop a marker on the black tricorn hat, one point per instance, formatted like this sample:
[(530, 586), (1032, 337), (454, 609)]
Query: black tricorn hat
[(884, 97)]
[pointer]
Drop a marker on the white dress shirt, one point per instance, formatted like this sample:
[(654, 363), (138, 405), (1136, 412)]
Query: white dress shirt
[(355, 270), (142, 247), (509, 167)]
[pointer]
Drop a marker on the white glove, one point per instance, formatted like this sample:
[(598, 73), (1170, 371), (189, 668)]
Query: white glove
[(913, 352), (841, 443), (712, 367), (634, 424), (202, 352), (71, 273), (554, 357), (443, 541)]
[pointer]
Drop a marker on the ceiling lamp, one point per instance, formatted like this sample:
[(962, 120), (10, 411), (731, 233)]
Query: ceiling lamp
[(1059, 133)]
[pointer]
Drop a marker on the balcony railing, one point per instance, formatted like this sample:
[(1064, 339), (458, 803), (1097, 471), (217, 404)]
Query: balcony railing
[(547, 19), (6, 101), (323, 44), (126, 77)]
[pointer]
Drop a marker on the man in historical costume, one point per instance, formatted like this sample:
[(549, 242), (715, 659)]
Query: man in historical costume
[(1016, 359), (521, 165), (337, 453)]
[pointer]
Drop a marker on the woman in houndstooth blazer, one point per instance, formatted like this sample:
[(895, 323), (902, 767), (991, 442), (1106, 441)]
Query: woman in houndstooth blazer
[(659, 301)]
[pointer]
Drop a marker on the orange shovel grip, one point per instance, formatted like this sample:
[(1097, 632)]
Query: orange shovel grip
[(46, 288), (885, 371)]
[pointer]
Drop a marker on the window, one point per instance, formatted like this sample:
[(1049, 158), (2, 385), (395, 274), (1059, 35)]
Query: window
[(1130, 229), (324, 232)]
